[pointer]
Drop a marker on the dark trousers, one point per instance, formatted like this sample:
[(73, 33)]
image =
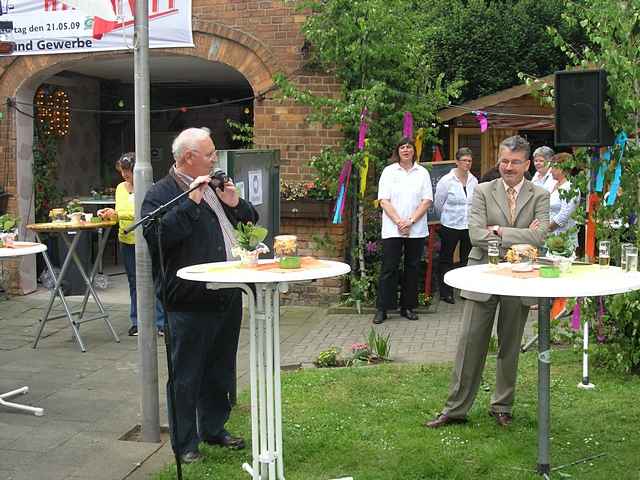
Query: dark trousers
[(392, 251), (203, 350), (449, 238), (129, 259)]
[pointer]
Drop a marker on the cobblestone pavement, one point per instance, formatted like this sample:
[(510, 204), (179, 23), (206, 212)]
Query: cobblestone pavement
[(92, 399)]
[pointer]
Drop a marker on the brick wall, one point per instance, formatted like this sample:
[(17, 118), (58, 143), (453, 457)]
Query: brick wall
[(324, 291), (257, 38)]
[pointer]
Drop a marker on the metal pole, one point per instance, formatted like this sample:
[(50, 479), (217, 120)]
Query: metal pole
[(544, 377), (143, 178)]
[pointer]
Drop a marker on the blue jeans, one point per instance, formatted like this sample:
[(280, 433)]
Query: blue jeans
[(129, 259)]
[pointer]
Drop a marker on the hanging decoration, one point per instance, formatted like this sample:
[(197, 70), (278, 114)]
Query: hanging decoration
[(407, 125), (53, 112), (362, 143), (481, 117), (575, 317), (621, 142), (436, 155), (364, 171), (343, 185), (362, 132), (419, 141)]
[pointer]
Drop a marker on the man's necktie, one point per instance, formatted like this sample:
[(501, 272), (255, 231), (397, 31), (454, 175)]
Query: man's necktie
[(511, 198)]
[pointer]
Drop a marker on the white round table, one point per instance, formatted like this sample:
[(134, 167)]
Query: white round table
[(21, 249), (263, 287), (581, 281)]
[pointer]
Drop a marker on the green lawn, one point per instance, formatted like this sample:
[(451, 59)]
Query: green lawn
[(367, 423)]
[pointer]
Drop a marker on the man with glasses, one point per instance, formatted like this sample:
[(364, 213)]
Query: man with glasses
[(512, 211), (204, 324)]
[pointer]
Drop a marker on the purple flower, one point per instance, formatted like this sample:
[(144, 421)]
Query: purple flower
[(372, 247)]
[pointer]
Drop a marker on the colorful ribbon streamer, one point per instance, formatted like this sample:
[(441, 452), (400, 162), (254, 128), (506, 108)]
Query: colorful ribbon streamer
[(407, 125), (362, 133), (621, 141), (343, 186), (481, 117), (419, 140), (437, 156), (604, 166), (364, 171), (575, 317)]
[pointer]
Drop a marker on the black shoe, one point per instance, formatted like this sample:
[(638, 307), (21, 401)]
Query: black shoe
[(379, 317), (133, 332), (225, 439), (448, 299), (190, 457), (408, 314)]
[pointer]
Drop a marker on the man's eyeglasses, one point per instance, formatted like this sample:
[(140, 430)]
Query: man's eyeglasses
[(208, 156), (513, 163)]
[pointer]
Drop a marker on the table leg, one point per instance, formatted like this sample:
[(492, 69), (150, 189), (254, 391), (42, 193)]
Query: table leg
[(282, 288), (38, 412), (57, 291), (544, 376)]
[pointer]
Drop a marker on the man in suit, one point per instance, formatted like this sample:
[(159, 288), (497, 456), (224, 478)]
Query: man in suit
[(511, 210)]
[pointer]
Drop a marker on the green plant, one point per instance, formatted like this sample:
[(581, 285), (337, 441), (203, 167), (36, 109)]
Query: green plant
[(328, 358), (249, 235), (379, 344), (424, 300), (241, 133), (8, 223), (323, 242), (74, 206)]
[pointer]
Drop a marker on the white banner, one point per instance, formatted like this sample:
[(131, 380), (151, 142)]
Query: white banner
[(56, 26)]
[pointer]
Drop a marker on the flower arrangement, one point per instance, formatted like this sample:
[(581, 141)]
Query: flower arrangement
[(313, 190), (9, 223), (249, 239), (74, 206)]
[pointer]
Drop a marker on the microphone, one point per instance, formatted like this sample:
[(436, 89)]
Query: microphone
[(218, 179)]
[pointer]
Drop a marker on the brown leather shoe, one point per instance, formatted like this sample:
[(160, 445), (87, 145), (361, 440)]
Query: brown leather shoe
[(503, 419), (225, 439), (443, 420)]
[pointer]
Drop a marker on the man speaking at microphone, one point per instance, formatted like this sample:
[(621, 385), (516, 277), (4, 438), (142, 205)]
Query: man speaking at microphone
[(204, 324)]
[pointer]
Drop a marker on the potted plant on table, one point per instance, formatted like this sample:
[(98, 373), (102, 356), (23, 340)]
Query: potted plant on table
[(249, 239), (561, 249), (75, 211), (8, 229)]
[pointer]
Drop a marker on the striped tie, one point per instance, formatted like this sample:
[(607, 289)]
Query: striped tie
[(511, 198)]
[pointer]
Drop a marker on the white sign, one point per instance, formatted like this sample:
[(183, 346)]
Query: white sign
[(255, 187), (67, 26), (240, 190)]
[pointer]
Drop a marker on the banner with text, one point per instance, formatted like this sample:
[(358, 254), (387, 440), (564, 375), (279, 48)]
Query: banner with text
[(55, 26)]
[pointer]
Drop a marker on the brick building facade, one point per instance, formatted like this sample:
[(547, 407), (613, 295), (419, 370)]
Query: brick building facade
[(257, 39)]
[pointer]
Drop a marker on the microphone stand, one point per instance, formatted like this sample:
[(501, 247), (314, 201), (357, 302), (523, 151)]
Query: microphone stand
[(155, 216)]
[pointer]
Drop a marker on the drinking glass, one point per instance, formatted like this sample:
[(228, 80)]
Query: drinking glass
[(623, 255), (632, 259), (603, 253), (493, 252)]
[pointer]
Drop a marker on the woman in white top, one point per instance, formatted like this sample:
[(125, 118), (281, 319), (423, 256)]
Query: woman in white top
[(405, 195), (452, 203), (561, 210), (542, 161)]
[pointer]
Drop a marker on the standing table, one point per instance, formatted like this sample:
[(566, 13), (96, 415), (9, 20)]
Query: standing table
[(581, 281), (263, 285), (62, 228), (97, 202), (20, 249)]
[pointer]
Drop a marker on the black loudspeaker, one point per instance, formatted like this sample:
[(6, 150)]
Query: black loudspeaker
[(580, 116)]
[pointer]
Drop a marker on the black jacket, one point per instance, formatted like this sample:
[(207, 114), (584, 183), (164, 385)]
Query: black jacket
[(191, 234)]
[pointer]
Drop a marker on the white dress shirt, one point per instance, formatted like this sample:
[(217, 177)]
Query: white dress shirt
[(451, 203), (405, 189), (545, 181), (560, 211)]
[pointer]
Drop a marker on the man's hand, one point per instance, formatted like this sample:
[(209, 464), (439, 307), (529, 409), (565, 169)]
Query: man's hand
[(404, 227), (229, 195), (535, 225), (197, 194)]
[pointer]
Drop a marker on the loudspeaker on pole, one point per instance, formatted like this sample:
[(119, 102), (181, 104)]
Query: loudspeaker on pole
[(580, 115)]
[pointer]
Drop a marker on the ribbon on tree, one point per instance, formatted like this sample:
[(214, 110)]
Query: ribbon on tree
[(575, 317), (419, 140), (407, 125), (621, 141), (604, 166), (436, 156), (481, 117), (364, 127), (343, 186), (601, 338), (364, 171)]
